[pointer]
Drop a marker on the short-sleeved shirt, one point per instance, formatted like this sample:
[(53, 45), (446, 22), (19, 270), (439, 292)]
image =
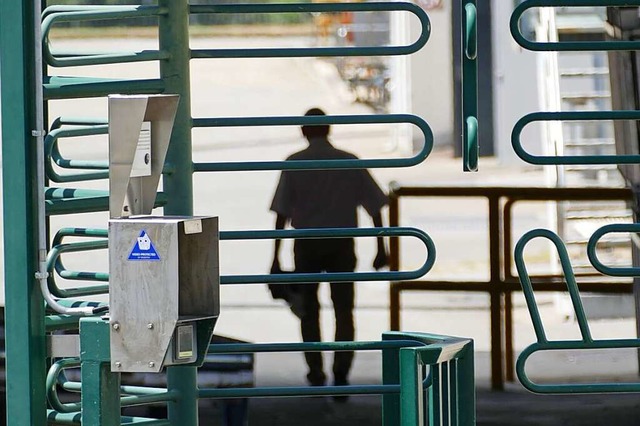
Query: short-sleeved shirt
[(326, 198)]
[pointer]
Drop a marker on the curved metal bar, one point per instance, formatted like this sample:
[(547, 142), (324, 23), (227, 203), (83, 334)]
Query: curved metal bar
[(574, 388), (53, 377), (337, 276), (53, 261), (60, 8), (77, 121), (471, 33), (572, 116), (298, 391), (136, 395), (52, 155), (240, 348), (563, 46), (317, 120), (593, 255), (56, 87), (73, 193), (570, 278), (471, 148), (469, 129), (314, 51), (74, 419), (93, 14)]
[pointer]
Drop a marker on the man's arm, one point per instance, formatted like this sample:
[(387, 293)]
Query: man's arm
[(281, 221), (381, 259)]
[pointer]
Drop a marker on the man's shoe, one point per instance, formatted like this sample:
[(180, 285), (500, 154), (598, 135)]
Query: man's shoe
[(316, 379), (341, 398)]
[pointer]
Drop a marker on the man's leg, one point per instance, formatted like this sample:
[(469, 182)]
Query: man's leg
[(343, 295), (310, 328), (306, 262)]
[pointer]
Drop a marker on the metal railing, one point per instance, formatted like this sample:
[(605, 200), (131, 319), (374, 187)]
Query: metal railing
[(406, 387), (586, 342), (450, 382), (501, 283)]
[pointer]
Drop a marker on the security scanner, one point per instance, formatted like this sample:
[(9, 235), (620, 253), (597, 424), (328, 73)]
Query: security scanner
[(164, 270)]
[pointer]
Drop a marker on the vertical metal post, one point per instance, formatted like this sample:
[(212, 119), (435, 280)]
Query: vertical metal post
[(177, 182), (469, 111), (454, 380), (444, 395), (394, 261), (508, 301), (174, 39), (495, 290), (411, 394), (100, 387), (466, 388), (390, 376), (435, 396), (509, 364), (25, 343)]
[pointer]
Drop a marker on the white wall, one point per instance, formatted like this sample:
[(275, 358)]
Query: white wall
[(427, 74), (515, 85)]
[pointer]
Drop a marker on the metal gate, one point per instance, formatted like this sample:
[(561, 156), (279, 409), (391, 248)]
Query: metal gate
[(38, 183)]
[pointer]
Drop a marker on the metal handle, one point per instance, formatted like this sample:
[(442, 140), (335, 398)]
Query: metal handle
[(593, 255), (471, 153), (471, 34), (564, 46), (469, 87), (571, 116), (314, 8), (54, 262), (570, 278), (317, 164)]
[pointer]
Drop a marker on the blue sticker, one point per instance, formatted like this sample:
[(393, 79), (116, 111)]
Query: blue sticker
[(143, 248)]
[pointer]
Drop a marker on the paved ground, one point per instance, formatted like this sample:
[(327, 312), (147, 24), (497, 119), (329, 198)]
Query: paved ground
[(289, 87)]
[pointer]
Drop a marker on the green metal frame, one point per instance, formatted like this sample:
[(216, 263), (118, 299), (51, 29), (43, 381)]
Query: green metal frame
[(587, 342), (470, 147), (24, 311), (102, 395)]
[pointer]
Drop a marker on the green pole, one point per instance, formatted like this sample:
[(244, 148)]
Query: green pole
[(25, 343), (390, 376), (100, 387), (174, 39), (177, 183)]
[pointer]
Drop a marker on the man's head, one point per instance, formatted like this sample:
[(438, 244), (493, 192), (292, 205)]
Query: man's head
[(315, 132)]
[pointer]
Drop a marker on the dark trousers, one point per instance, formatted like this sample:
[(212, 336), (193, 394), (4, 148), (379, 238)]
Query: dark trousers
[(327, 255)]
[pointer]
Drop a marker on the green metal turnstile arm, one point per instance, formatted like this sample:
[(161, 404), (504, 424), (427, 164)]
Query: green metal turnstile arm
[(593, 254), (543, 344), (63, 59), (314, 8), (469, 111), (93, 14), (54, 263), (317, 164), (571, 116), (565, 46)]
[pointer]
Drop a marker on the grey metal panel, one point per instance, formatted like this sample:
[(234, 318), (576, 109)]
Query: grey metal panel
[(142, 295), (136, 195), (177, 280), (199, 269)]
